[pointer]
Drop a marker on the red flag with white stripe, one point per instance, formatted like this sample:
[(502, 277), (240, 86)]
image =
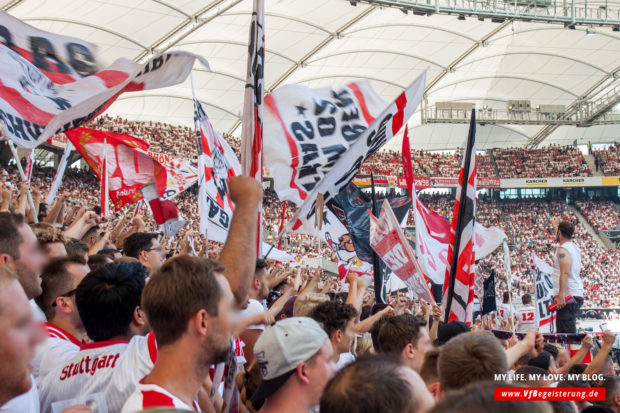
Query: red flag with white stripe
[(458, 294)]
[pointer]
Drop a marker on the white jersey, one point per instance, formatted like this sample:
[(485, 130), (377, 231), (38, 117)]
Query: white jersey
[(111, 369), (59, 347), (526, 316), (503, 311), (27, 402), (575, 285), (254, 308), (149, 395)]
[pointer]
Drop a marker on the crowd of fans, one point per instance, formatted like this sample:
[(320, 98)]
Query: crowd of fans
[(550, 161), (602, 214), (608, 160), (131, 325)]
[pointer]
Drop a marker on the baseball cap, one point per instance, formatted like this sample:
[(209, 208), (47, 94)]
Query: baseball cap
[(281, 348)]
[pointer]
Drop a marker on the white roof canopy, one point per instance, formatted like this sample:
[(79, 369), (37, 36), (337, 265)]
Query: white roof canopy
[(330, 42)]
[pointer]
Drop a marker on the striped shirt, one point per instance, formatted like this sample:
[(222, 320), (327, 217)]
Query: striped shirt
[(151, 395), (110, 368)]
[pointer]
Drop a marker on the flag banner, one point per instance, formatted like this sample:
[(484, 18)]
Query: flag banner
[(407, 166), (60, 173), (29, 165), (252, 123), (277, 254), (344, 168), (308, 130), (165, 212), (488, 302), (543, 285), (560, 338), (459, 280), (351, 207), (181, 173), (390, 243), (50, 83), (252, 120), (217, 163), (433, 235), (129, 165)]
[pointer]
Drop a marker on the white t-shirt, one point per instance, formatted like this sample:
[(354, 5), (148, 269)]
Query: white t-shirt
[(120, 365), (24, 403), (152, 395), (503, 311), (575, 285), (254, 308), (59, 347), (344, 360), (526, 316)]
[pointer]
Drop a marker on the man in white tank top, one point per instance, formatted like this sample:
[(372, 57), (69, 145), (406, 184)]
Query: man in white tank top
[(567, 278)]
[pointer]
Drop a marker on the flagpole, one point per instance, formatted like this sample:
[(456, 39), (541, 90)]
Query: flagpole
[(104, 180), (460, 216), (376, 263), (509, 281), (23, 176)]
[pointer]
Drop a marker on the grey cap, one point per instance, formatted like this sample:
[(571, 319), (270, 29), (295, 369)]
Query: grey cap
[(284, 346)]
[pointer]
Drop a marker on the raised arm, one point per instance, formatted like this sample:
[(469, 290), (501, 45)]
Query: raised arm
[(565, 262), (599, 360), (586, 344), (239, 253)]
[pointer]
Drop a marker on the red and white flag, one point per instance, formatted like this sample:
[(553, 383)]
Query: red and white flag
[(217, 163), (165, 212), (252, 125), (57, 83), (129, 166), (458, 288), (344, 162), (29, 165), (389, 242)]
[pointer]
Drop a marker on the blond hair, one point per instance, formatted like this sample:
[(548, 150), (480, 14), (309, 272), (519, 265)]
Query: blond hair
[(306, 303)]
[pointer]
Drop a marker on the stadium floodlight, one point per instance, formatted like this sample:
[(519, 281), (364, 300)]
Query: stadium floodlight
[(461, 17), (590, 31), (353, 3)]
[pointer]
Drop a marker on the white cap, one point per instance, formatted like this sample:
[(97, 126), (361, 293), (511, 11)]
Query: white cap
[(282, 347)]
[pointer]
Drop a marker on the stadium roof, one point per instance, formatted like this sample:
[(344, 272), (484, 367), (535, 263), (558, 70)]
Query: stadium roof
[(330, 42)]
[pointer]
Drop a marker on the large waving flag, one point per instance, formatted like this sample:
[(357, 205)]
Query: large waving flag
[(129, 166), (458, 298), (252, 126), (217, 163), (343, 166), (51, 83)]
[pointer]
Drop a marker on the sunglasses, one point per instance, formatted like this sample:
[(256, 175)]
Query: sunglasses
[(67, 294)]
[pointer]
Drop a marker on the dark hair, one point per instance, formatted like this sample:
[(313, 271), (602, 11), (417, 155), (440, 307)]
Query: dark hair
[(567, 229), (369, 385), (574, 383), (551, 349), (75, 247), (611, 384), (506, 297), (183, 286), (376, 307), (374, 332), (543, 360), (480, 398), (470, 357), (10, 238), (526, 299), (398, 331), (529, 373), (577, 369), (333, 316), (261, 264), (98, 260), (107, 298), (55, 280), (138, 242)]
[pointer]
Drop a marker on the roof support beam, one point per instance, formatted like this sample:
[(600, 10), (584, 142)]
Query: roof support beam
[(525, 79)]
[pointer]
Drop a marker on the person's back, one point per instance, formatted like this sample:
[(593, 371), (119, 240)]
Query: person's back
[(526, 315), (108, 302)]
